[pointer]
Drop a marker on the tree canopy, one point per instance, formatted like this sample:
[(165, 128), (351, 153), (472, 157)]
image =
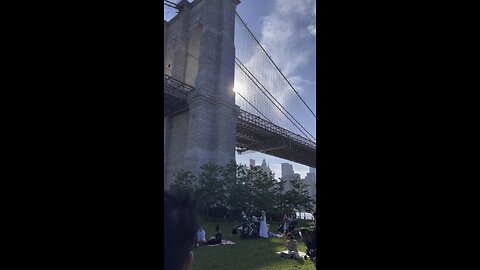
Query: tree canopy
[(234, 188)]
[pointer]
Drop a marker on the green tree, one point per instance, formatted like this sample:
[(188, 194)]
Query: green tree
[(279, 197), (211, 188), (239, 191), (300, 196), (263, 190), (185, 181)]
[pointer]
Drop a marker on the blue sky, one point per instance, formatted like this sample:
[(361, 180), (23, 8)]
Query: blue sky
[(287, 29)]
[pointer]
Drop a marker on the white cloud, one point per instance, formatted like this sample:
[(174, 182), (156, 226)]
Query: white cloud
[(313, 29), (286, 34), (283, 36)]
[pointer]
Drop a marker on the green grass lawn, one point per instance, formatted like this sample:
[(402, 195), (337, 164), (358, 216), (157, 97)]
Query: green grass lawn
[(247, 254)]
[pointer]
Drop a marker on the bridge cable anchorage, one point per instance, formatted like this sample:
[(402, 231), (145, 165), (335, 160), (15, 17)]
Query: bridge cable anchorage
[(274, 99), (276, 105), (253, 106), (270, 58)]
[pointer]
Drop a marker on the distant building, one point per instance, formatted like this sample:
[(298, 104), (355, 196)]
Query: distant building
[(287, 175), (287, 169), (311, 181), (266, 168)]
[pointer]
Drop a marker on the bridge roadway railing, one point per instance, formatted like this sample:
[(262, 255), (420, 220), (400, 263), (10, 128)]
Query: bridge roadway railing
[(180, 89), (256, 120), (175, 87)]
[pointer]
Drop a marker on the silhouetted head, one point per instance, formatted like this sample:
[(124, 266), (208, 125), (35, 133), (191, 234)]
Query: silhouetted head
[(181, 224), (217, 228)]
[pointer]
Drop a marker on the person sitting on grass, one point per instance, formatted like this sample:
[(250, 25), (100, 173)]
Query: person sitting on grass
[(181, 223), (201, 237), (235, 226), (292, 247), (255, 220), (218, 237), (279, 228)]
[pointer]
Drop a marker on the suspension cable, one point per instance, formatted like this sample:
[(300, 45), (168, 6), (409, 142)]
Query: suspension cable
[(293, 88), (170, 4), (254, 107), (271, 100), (274, 98)]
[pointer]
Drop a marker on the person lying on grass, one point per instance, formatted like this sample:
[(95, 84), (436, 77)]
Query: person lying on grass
[(218, 237), (292, 247)]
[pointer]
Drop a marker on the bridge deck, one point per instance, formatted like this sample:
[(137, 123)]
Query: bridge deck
[(257, 134), (253, 132)]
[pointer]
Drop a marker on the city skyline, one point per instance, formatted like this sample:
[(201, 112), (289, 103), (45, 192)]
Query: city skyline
[(276, 168)]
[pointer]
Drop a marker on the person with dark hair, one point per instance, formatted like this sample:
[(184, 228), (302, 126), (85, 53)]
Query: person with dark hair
[(280, 228), (218, 237), (244, 217), (181, 224), (292, 247), (235, 226), (254, 219)]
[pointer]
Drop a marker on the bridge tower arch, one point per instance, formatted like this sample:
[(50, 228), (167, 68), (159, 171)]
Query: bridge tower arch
[(193, 55), (199, 51)]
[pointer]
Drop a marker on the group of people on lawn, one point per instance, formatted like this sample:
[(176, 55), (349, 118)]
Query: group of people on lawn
[(262, 221), (217, 239), (180, 225), (291, 244), (201, 237)]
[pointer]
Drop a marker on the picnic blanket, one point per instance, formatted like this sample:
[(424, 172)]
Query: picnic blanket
[(224, 242), (300, 253)]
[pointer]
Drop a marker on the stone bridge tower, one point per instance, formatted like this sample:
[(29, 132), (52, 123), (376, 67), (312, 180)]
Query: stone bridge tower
[(199, 51)]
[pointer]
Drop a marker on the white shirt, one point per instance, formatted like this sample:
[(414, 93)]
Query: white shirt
[(201, 235)]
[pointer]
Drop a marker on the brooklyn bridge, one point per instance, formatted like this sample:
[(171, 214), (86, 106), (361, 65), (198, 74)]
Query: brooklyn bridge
[(223, 92)]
